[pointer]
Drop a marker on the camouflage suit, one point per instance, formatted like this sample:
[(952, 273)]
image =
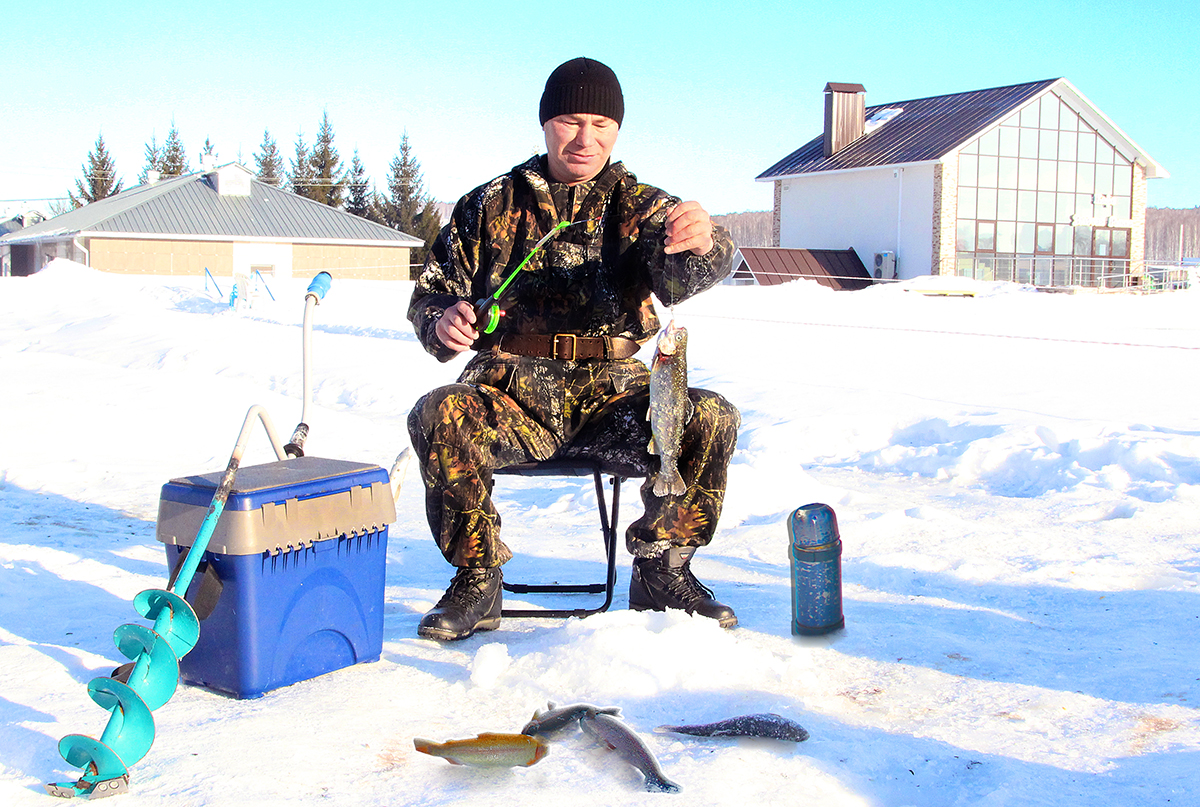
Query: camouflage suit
[(590, 280)]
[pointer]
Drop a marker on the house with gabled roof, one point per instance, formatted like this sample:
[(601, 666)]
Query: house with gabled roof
[(221, 219), (1029, 183)]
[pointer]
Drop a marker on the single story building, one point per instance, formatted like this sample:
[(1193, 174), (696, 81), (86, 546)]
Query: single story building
[(223, 220), (1029, 183)]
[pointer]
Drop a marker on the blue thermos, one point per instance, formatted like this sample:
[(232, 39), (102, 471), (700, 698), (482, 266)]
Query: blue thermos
[(816, 553)]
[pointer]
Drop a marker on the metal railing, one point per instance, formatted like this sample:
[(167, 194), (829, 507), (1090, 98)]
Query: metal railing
[(1064, 271)]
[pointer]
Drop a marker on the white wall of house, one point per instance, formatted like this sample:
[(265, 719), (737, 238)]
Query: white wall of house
[(248, 255), (873, 210)]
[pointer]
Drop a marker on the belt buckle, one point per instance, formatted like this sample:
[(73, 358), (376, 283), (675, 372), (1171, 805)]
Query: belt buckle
[(555, 353)]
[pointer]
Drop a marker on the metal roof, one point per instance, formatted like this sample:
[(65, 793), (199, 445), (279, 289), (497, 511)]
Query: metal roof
[(836, 268), (190, 207), (927, 129)]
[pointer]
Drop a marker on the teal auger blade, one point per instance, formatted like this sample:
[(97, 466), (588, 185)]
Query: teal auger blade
[(130, 728), (173, 617), (101, 763), (151, 678), (126, 739)]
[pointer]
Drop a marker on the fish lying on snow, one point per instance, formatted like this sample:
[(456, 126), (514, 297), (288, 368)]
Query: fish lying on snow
[(670, 407), (554, 719), (619, 737), (761, 725), (488, 750)]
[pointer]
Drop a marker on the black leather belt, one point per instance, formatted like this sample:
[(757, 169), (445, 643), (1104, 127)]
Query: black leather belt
[(567, 346)]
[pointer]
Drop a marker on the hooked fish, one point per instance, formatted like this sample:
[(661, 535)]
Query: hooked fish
[(620, 738), (769, 725), (488, 750), (670, 407), (554, 719)]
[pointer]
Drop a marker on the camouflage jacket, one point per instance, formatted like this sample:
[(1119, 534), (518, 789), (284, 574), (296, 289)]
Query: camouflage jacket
[(591, 279)]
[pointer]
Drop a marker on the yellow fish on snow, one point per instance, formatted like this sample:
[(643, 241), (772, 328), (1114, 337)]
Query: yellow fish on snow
[(488, 750)]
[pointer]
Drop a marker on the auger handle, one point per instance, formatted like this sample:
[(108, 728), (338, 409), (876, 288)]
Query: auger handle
[(316, 292), (319, 286)]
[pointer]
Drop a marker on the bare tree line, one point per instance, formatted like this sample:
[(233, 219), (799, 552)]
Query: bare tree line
[(750, 229), (1172, 234)]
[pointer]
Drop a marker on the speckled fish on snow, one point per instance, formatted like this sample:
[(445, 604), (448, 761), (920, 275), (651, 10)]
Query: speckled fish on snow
[(760, 725), (622, 739)]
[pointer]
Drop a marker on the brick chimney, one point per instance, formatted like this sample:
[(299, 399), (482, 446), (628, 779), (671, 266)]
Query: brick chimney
[(844, 115)]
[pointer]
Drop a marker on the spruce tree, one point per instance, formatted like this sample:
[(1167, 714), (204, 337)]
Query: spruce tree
[(300, 177), (209, 150), (358, 200), (99, 177), (153, 161), (174, 155), (328, 179), (408, 208), (379, 208), (269, 161), (406, 196), (429, 225)]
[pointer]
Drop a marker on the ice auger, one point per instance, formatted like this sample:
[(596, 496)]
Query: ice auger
[(132, 694)]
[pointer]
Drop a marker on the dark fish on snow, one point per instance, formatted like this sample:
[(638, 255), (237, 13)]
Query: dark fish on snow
[(761, 725), (670, 407), (620, 738), (554, 718)]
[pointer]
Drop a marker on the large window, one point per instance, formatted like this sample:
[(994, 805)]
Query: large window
[(1043, 198)]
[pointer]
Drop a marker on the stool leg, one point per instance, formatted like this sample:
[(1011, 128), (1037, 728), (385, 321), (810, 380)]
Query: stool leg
[(608, 526)]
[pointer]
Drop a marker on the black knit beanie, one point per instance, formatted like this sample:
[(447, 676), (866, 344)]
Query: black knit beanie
[(582, 86)]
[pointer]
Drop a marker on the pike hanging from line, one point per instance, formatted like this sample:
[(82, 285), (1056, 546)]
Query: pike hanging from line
[(488, 750), (769, 725), (554, 719), (670, 408), (622, 739)]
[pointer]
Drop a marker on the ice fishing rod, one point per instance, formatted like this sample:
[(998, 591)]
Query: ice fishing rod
[(488, 311)]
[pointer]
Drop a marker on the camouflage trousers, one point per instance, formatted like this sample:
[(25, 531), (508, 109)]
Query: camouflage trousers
[(508, 410)]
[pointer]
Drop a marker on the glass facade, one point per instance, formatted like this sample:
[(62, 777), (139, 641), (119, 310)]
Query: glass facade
[(1044, 199)]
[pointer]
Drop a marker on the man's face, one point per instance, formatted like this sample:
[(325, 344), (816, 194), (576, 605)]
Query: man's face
[(579, 145)]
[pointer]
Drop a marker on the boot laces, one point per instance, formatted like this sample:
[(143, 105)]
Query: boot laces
[(685, 588), (466, 589)]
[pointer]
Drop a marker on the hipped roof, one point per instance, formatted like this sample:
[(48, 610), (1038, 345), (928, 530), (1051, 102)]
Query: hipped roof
[(190, 207)]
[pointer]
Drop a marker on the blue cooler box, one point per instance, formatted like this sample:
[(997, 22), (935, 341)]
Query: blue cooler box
[(293, 586)]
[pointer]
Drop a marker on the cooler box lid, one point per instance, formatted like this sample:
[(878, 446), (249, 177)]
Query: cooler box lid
[(279, 506)]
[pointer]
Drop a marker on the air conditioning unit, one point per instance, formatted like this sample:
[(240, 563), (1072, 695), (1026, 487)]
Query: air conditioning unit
[(885, 266)]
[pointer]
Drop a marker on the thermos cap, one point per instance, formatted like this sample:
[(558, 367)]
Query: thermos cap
[(813, 525)]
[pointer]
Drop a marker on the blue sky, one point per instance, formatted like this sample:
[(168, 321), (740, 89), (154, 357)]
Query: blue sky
[(715, 92)]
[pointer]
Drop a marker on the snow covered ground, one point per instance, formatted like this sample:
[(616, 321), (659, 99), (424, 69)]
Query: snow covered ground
[(1016, 477)]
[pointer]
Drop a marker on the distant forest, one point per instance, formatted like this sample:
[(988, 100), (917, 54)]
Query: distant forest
[(1165, 226), (751, 229), (1167, 229)]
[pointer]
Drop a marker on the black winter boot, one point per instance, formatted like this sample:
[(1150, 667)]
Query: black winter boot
[(667, 581), (471, 603)]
